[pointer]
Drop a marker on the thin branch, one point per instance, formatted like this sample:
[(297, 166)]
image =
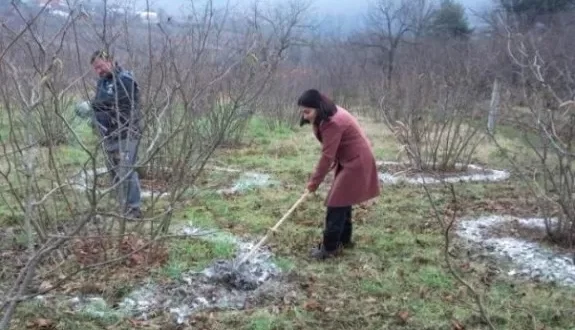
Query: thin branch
[(446, 234)]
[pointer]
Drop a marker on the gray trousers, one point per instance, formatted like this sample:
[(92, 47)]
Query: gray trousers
[(121, 157)]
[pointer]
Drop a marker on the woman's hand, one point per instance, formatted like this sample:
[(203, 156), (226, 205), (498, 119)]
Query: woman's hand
[(311, 187)]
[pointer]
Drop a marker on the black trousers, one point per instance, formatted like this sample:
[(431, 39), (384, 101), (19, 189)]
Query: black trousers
[(338, 227)]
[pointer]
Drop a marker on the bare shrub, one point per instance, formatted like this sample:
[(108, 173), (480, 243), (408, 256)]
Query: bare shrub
[(277, 106), (431, 106), (546, 119)]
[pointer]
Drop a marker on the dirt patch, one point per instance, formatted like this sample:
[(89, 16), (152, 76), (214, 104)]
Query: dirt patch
[(106, 261), (531, 232), (513, 205), (154, 185), (154, 181), (158, 181), (223, 284), (12, 256), (139, 251)]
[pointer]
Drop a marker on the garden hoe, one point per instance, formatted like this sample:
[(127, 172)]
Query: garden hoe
[(232, 274), (272, 230)]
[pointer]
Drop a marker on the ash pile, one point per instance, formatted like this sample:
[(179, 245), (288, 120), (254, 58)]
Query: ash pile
[(223, 284)]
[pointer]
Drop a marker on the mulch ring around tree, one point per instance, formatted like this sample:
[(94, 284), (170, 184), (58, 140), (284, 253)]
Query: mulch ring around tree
[(408, 171), (558, 242)]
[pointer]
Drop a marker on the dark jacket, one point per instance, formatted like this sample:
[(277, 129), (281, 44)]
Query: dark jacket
[(116, 105)]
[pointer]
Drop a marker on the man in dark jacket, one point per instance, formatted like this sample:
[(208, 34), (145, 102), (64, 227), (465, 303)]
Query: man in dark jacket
[(116, 112)]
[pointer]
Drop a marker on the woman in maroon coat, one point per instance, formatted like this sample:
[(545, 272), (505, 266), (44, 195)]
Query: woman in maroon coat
[(346, 149)]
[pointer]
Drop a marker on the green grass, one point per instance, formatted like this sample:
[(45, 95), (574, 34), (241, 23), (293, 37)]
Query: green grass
[(397, 266), (194, 255)]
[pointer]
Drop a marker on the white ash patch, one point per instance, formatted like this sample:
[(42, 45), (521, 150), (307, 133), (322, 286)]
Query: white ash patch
[(530, 259), (220, 285), (84, 181), (477, 174), (222, 169), (95, 307), (247, 181)]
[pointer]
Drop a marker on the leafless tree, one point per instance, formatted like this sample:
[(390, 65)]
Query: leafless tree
[(389, 24), (199, 81), (431, 108)]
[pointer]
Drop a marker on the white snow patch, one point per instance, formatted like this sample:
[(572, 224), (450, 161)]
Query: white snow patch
[(530, 259), (486, 175)]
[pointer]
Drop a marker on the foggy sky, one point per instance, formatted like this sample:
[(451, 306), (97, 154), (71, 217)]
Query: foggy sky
[(348, 10)]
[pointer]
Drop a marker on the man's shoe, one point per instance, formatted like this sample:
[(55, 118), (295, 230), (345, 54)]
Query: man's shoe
[(134, 214)]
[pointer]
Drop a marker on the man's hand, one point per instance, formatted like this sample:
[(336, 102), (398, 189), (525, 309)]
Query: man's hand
[(311, 187), (83, 109)]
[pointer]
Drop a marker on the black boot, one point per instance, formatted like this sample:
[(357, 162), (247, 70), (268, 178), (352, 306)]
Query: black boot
[(334, 225), (348, 245), (347, 231), (320, 253)]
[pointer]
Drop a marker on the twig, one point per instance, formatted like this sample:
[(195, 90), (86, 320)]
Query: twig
[(36, 203), (446, 233), (154, 218)]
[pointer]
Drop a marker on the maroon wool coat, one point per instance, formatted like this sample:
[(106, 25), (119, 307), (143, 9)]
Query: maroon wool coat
[(345, 144)]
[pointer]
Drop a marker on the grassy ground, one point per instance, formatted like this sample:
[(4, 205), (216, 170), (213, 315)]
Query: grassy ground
[(396, 278)]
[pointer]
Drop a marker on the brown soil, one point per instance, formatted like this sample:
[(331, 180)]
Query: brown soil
[(537, 235), (504, 198), (140, 251), (108, 260), (503, 205)]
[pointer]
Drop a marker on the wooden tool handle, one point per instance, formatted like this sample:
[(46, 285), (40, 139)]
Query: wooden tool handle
[(274, 228)]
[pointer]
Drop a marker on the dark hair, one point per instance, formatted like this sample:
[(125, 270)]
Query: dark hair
[(325, 107), (101, 54)]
